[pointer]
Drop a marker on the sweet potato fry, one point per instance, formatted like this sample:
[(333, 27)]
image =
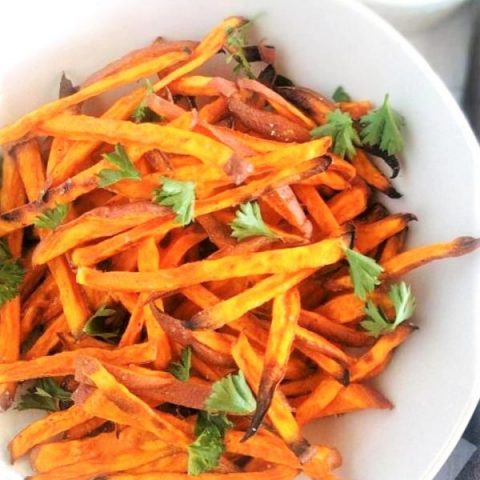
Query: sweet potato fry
[(353, 397), (356, 109), (142, 70), (416, 257), (379, 352), (85, 429), (179, 333), (96, 223), (42, 430), (141, 414), (235, 307), (322, 325), (286, 310), (48, 340), (135, 57), (280, 414), (93, 254), (393, 246), (214, 111), (370, 235), (325, 392), (347, 204), (370, 173), (274, 473), (268, 124), (318, 209), (303, 386), (173, 254), (64, 363)]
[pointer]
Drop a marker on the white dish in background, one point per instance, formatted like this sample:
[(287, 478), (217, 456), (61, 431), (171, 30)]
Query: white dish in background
[(434, 379), (411, 15)]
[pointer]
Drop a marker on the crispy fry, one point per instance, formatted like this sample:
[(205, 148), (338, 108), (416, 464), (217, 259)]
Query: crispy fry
[(64, 363), (347, 204), (356, 109), (370, 173), (96, 223), (286, 310), (303, 386), (353, 397), (393, 246), (141, 414), (404, 262), (325, 392), (275, 261), (281, 416), (48, 340), (42, 430), (379, 352)]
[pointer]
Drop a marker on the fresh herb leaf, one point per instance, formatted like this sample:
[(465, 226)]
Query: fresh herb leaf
[(365, 272), (142, 113), (340, 127), (52, 217), (340, 95), (248, 222), (404, 302), (206, 420), (179, 196), (181, 369), (205, 452), (97, 327), (382, 127), (231, 394), (11, 274), (236, 42), (46, 394), (126, 169)]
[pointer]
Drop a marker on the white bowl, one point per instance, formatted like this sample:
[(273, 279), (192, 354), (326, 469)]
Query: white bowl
[(410, 15), (434, 379)]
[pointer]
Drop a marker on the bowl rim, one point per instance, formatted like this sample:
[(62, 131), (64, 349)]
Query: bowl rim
[(459, 118), (415, 4)]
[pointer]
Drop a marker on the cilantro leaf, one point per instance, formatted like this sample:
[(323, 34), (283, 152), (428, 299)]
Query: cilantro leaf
[(382, 127), (181, 369), (403, 300), (231, 394), (52, 217), (206, 420), (126, 169), (236, 42), (364, 272), (46, 394), (11, 274), (340, 95), (179, 196), (205, 452), (340, 127), (248, 222), (142, 113), (97, 327)]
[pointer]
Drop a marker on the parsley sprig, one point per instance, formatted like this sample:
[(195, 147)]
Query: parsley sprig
[(365, 273), (382, 127), (181, 369), (52, 217), (340, 127), (236, 42), (143, 113), (341, 95), (179, 196), (46, 394), (11, 274), (230, 394), (97, 325), (404, 303), (248, 222), (126, 169)]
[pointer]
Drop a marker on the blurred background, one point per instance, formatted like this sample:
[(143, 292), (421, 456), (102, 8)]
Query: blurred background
[(447, 33)]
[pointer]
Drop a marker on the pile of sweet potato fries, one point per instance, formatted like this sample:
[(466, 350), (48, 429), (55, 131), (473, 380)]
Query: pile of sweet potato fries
[(183, 247)]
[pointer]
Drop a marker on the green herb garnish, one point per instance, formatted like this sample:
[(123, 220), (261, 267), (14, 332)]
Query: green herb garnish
[(340, 95), (46, 394), (181, 369), (126, 169), (52, 217), (179, 196), (11, 274), (248, 222), (340, 127)]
